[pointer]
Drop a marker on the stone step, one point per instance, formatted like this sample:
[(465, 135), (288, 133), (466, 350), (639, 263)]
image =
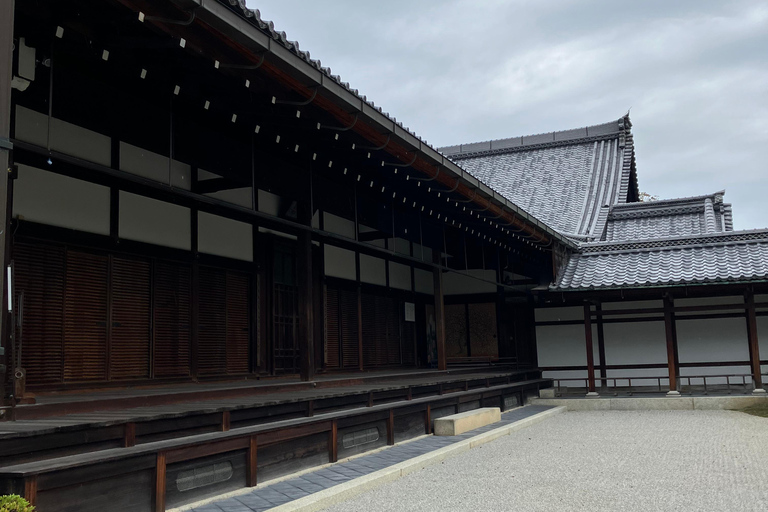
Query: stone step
[(456, 424)]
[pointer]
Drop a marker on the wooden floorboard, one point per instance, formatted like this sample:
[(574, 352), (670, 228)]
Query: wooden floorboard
[(176, 410)]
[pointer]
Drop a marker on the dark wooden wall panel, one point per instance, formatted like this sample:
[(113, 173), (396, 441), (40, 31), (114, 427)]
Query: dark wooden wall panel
[(349, 333), (350, 441), (172, 320), (129, 352), (212, 338), (238, 322), (131, 492), (85, 311), (332, 329), (195, 480), (39, 274), (409, 426), (288, 457)]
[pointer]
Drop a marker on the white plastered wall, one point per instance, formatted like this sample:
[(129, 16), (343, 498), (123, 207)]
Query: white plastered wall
[(399, 276), (712, 340), (225, 237), (762, 332), (67, 138), (563, 345), (154, 222), (57, 200), (339, 262), (423, 281), (628, 343), (373, 270), (455, 283)]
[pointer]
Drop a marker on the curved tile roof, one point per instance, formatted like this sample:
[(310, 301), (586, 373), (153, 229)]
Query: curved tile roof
[(715, 258), (567, 179), (670, 217)]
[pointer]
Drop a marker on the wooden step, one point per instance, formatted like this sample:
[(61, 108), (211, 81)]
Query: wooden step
[(146, 477)]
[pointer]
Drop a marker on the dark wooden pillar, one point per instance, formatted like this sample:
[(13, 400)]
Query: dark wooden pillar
[(601, 345), (306, 313), (6, 70), (754, 348), (442, 363), (590, 349), (671, 335)]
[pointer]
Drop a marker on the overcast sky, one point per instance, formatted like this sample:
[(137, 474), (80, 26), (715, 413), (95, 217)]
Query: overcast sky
[(693, 72)]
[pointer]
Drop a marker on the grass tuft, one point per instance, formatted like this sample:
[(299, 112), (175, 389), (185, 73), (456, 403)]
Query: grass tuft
[(757, 410)]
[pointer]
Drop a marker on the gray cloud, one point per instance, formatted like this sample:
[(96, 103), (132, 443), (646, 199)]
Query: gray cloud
[(694, 72)]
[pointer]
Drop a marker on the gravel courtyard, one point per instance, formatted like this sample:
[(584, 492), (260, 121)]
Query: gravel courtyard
[(613, 460)]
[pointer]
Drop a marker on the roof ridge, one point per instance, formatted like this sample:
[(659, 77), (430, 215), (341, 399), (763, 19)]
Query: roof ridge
[(666, 202), (570, 135), (675, 241)]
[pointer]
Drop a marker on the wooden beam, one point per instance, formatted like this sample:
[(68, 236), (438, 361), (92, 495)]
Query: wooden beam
[(590, 348), (428, 420), (437, 274), (6, 72), (225, 421), (251, 455), (160, 472), (754, 347), (216, 185), (670, 331), (391, 428)]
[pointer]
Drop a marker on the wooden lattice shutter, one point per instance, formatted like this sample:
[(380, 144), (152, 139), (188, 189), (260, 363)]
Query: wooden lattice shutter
[(85, 317), (374, 330), (172, 320), (332, 328), (408, 338), (393, 330), (129, 343), (238, 322), (39, 277), (348, 330), (212, 322)]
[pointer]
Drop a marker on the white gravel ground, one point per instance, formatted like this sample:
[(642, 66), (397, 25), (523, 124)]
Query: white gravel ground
[(612, 461)]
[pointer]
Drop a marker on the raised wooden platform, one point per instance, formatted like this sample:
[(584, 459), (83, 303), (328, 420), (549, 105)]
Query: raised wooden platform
[(145, 458)]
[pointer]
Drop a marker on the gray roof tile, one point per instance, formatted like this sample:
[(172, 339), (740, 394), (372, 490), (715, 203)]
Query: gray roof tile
[(669, 217), (567, 179), (720, 257)]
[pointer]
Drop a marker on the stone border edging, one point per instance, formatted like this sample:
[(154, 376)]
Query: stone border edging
[(347, 490), (678, 403)]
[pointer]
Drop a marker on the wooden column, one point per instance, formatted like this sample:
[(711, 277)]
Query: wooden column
[(252, 462), (601, 345), (160, 483), (6, 72), (306, 313), (671, 335), (754, 348), (590, 349), (442, 363)]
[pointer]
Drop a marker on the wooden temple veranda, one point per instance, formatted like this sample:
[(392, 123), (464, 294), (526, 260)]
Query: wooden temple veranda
[(221, 259)]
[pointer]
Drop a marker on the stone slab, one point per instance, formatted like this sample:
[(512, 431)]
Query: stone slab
[(457, 424), (654, 403)]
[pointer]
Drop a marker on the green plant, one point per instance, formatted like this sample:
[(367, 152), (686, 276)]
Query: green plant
[(15, 503)]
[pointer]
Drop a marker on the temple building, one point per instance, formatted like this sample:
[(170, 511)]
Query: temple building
[(220, 258)]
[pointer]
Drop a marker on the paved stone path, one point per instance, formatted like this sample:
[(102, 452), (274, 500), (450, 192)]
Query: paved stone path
[(268, 496), (597, 461)]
